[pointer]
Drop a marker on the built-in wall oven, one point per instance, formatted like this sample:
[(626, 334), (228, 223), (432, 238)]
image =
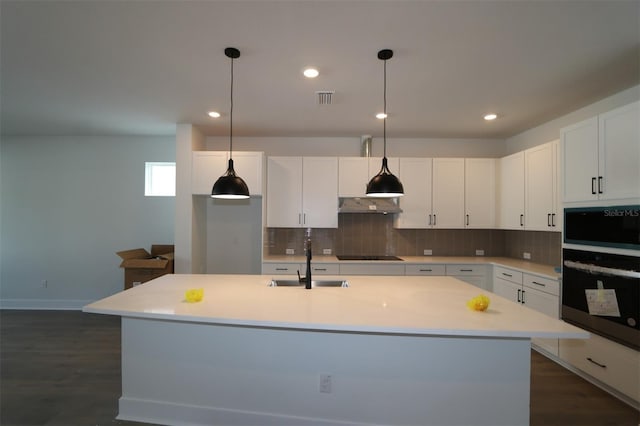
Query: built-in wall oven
[(601, 271)]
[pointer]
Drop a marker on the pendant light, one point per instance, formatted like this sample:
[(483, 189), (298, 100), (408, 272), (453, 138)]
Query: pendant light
[(229, 185), (385, 184)]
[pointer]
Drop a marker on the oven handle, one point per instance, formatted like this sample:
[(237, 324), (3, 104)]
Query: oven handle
[(595, 269)]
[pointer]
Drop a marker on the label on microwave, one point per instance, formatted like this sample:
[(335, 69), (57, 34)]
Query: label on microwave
[(602, 302)]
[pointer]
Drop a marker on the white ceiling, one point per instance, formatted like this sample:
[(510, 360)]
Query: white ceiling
[(139, 67)]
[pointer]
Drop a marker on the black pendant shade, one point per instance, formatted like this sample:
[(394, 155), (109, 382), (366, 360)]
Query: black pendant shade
[(230, 186), (385, 184)]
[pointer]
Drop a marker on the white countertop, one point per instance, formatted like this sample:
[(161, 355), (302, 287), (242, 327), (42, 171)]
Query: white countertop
[(524, 265), (371, 304)]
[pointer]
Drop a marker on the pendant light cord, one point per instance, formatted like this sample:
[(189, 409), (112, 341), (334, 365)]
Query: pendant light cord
[(384, 121), (231, 114)]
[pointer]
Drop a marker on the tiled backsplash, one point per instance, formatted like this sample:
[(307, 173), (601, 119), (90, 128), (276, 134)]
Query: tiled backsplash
[(374, 234)]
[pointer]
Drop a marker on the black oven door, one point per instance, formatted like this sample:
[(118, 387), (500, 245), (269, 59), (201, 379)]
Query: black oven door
[(601, 293)]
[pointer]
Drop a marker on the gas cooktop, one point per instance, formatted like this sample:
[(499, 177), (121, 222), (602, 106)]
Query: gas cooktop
[(365, 257)]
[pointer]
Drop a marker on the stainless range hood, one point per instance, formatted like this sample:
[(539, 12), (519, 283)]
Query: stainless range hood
[(368, 205)]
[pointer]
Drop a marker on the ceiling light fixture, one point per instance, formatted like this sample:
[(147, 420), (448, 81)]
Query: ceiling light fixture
[(381, 116), (311, 73), (213, 114), (229, 185), (490, 117), (385, 184)]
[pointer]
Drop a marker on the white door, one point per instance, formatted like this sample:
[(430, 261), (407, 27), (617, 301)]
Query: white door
[(539, 191), (511, 190), (479, 192), (284, 192), (619, 153), (580, 161), (320, 192), (448, 193), (415, 175)]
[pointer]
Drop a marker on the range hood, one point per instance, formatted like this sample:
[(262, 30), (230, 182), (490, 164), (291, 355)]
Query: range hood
[(368, 205)]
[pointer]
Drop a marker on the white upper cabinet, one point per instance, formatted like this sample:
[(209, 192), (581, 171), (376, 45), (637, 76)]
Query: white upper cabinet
[(541, 190), (448, 193), (354, 173), (479, 192), (415, 175), (302, 192), (208, 166), (511, 191), (601, 156)]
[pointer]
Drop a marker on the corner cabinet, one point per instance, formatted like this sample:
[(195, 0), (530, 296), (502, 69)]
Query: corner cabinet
[(601, 156), (208, 166), (302, 192)]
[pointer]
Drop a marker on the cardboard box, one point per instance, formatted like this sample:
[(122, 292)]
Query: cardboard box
[(141, 266)]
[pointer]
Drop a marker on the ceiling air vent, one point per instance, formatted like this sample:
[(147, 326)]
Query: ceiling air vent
[(324, 96)]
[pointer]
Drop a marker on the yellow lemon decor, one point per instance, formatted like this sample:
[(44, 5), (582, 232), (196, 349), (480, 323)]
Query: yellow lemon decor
[(479, 303), (194, 295)]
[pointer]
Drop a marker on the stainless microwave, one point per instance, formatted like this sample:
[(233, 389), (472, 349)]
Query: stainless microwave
[(611, 226)]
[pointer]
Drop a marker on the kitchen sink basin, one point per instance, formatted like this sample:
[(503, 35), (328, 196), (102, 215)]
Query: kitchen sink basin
[(314, 283)]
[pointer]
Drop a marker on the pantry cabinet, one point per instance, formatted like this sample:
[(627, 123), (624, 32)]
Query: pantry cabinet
[(208, 166), (601, 156), (302, 192)]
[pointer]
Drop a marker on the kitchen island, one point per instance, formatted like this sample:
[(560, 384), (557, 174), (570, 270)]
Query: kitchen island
[(385, 350)]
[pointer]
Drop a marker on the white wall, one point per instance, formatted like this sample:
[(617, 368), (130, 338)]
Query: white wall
[(492, 148), (67, 205), (551, 130)]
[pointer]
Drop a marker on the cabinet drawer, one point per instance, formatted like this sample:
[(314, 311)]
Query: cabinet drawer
[(465, 269), (507, 274), (426, 269), (323, 269), (546, 285), (371, 269), (607, 361), (282, 268)]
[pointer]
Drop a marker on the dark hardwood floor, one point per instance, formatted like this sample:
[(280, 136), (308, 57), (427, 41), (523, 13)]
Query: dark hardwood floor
[(63, 368)]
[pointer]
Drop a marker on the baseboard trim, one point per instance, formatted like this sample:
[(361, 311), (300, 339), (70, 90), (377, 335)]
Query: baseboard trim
[(44, 304), (150, 411)]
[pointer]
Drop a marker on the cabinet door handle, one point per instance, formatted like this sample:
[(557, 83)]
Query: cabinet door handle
[(467, 220), (429, 220), (434, 219), (300, 218), (600, 185), (596, 363), (507, 275), (553, 219), (523, 296), (521, 220), (304, 218), (593, 186), (537, 283), (519, 301), (548, 219)]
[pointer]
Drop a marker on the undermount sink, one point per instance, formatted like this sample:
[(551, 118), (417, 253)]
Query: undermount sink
[(314, 283)]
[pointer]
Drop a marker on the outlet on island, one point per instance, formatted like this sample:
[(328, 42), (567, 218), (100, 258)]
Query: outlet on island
[(290, 251), (526, 255)]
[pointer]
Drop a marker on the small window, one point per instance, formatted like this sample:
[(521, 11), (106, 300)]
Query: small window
[(159, 179)]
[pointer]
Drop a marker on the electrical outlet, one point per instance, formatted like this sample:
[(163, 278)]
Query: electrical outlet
[(479, 252), (428, 252), (326, 251), (526, 255), (325, 383), (289, 251)]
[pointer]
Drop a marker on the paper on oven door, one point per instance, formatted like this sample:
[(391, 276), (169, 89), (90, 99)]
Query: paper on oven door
[(602, 302)]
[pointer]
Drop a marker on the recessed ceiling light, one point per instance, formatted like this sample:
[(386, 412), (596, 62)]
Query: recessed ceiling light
[(490, 117), (381, 115), (213, 114), (311, 73)]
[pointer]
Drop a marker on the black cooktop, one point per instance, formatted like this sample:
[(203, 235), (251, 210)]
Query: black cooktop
[(365, 257)]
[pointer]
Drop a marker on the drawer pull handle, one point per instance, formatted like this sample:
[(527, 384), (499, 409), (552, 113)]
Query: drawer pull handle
[(426, 270), (319, 269), (537, 283), (507, 275), (596, 363), (282, 269), (466, 270)]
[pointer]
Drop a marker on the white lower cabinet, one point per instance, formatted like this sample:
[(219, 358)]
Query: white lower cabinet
[(371, 269), (472, 274), (424, 269), (287, 268), (536, 292), (610, 363)]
